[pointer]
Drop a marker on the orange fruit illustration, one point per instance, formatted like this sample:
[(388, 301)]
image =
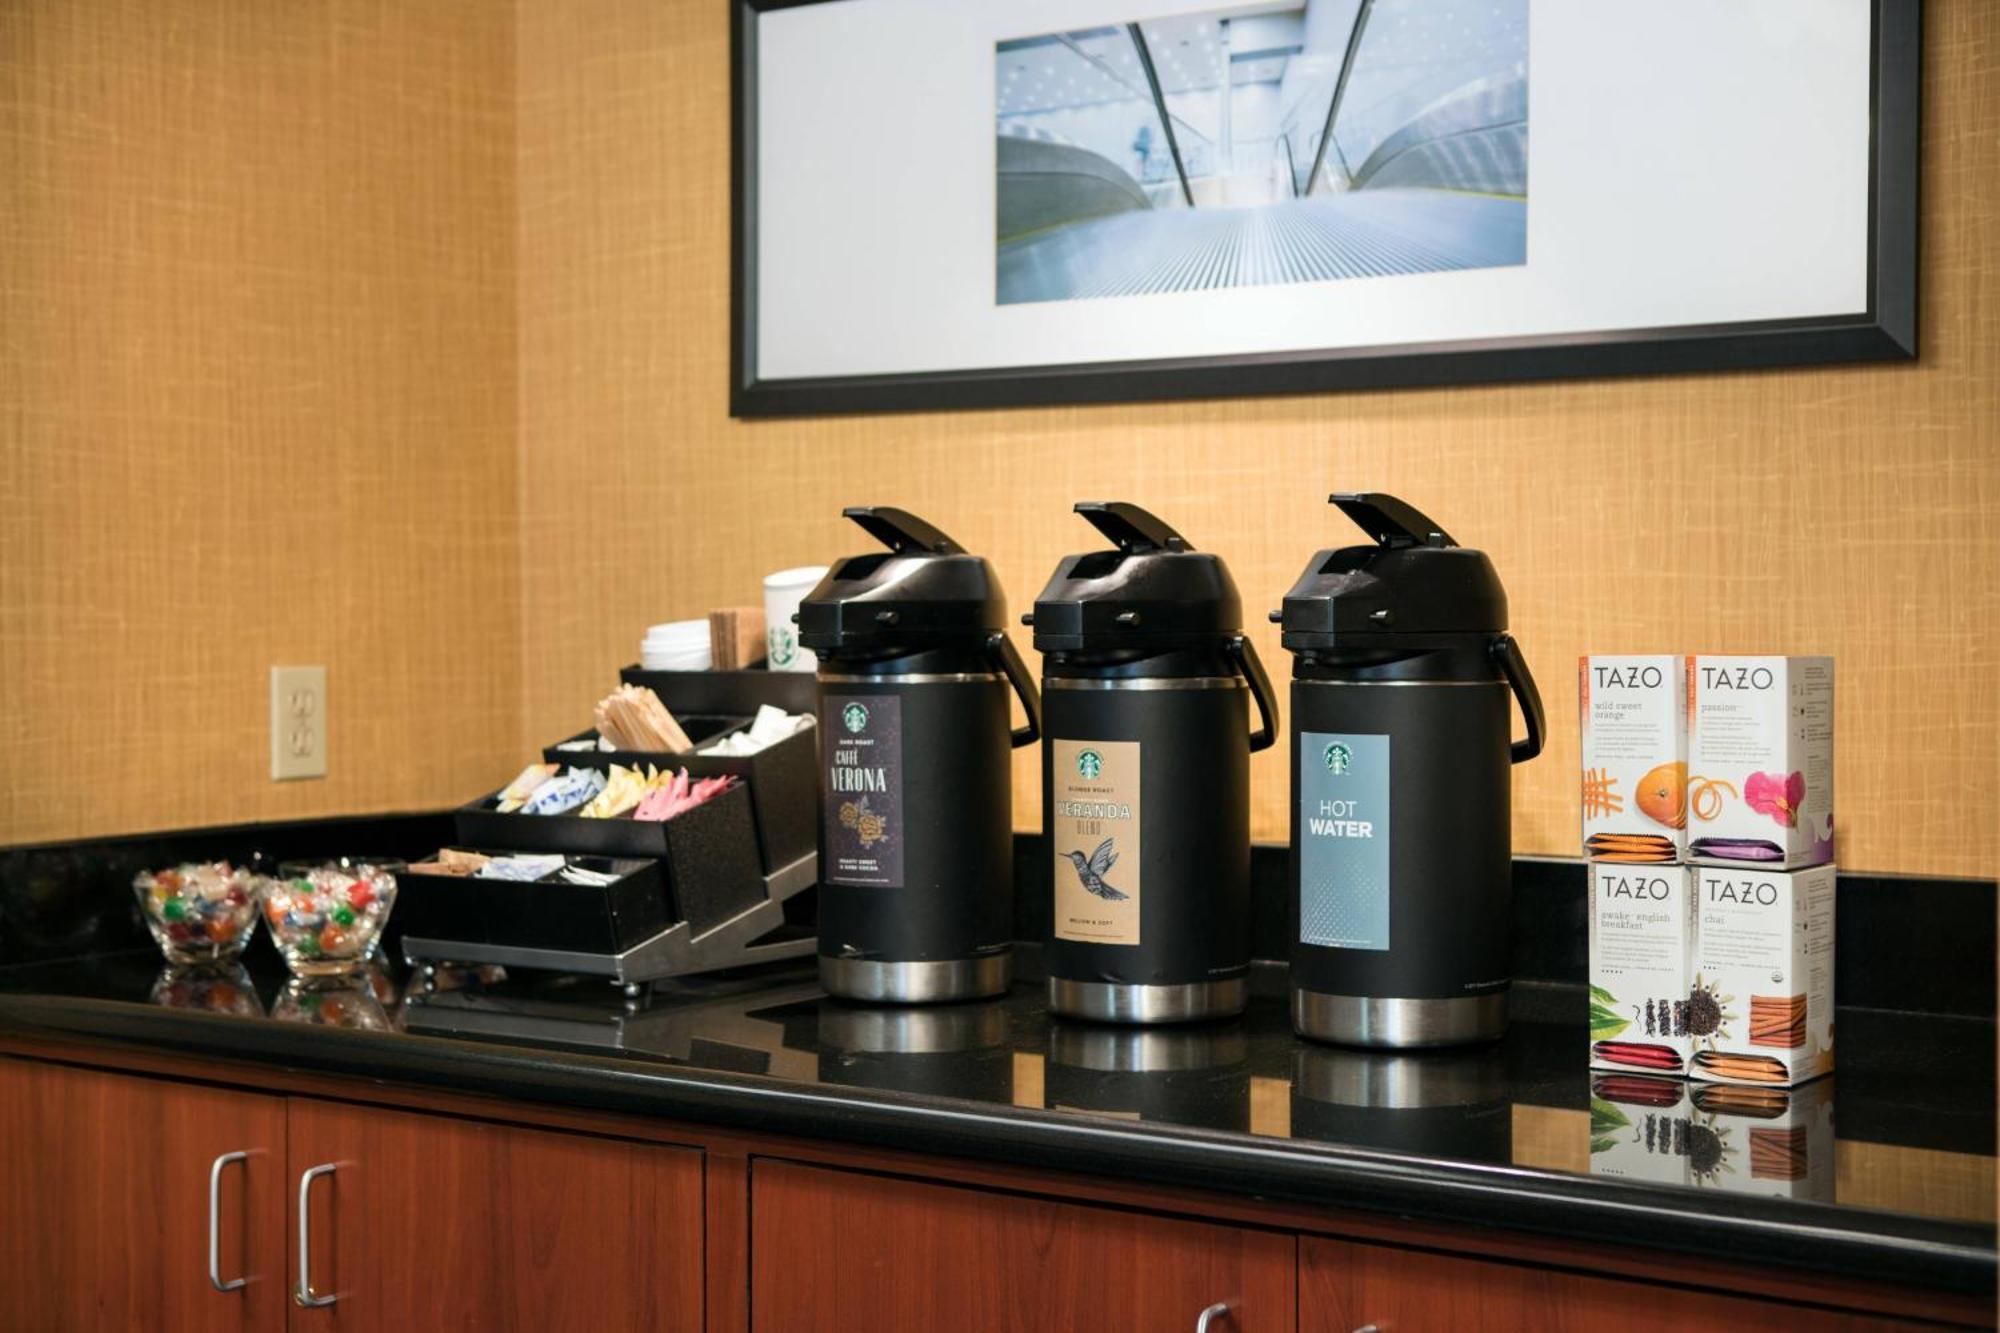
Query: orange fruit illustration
[(1662, 795)]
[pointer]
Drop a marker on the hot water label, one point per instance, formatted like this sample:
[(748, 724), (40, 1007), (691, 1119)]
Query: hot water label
[(1094, 826), (864, 789), (1343, 840)]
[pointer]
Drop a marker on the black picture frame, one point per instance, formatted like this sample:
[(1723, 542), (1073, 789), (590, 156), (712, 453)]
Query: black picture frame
[(1886, 331)]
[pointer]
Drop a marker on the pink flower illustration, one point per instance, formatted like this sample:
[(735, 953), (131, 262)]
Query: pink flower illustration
[(1776, 795)]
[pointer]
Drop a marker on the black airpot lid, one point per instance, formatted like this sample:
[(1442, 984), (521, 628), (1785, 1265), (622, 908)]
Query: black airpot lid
[(1154, 590), (1413, 582), (924, 590)]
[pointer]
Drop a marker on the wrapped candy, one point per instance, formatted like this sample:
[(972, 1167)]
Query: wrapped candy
[(326, 917), (200, 912)]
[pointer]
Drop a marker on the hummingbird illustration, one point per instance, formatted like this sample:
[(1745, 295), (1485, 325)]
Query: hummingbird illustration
[(1091, 873)]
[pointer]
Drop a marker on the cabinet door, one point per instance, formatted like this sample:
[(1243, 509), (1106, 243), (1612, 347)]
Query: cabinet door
[(430, 1222), (104, 1203), (1345, 1286), (835, 1251)]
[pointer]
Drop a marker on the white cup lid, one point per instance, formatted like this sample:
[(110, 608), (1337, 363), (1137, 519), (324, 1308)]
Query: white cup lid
[(678, 629)]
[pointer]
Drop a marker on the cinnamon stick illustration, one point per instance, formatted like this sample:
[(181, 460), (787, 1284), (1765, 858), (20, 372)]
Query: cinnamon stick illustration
[(1778, 1020), (1750, 1068)]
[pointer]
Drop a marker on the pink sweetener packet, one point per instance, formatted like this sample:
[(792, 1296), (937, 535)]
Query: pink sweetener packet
[(678, 795)]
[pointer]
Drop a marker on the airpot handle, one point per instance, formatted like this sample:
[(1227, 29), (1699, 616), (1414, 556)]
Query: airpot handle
[(1515, 668), (1130, 528), (1245, 654), (1008, 658), (1391, 522), (901, 531)]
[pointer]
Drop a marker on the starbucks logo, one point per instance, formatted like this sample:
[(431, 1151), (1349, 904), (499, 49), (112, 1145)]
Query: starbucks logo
[(783, 645), (1089, 763), (1338, 758), (854, 717)]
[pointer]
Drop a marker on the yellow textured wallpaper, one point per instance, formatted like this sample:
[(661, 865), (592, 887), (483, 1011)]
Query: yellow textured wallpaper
[(394, 337), (256, 404), (1847, 511)]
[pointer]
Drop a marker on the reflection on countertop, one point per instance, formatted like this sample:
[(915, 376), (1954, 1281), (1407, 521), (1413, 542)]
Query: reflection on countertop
[(1906, 1127)]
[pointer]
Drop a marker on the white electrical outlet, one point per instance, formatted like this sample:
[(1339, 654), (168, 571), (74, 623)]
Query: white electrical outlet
[(298, 722)]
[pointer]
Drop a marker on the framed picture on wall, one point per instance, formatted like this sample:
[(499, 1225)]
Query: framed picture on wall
[(963, 203)]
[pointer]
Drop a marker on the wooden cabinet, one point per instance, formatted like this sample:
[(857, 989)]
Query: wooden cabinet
[(425, 1221), (1345, 1286), (104, 1203), (842, 1252), (428, 1222)]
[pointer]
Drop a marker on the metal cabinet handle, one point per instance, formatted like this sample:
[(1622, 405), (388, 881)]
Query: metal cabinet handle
[(215, 1222), (304, 1295), (1206, 1319)]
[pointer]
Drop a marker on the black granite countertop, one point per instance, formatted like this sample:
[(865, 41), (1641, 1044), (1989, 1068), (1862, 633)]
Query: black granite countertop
[(1884, 1171)]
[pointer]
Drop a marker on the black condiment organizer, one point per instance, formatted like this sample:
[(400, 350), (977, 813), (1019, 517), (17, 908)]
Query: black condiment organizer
[(707, 854), (783, 779), (701, 728), (548, 913), (726, 872), (711, 904), (728, 691)]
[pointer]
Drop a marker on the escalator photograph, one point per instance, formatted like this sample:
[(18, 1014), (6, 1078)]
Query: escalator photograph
[(1261, 144)]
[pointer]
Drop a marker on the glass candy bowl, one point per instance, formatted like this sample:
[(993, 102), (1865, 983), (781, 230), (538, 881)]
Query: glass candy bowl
[(326, 915), (200, 912)]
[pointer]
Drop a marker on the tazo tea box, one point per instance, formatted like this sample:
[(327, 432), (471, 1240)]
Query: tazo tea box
[(1641, 959), (1634, 714), (1774, 1141), (1760, 760), (1761, 1011), (1639, 1127)]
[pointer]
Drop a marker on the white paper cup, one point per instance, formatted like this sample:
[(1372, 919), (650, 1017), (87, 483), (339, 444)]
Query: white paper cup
[(783, 591)]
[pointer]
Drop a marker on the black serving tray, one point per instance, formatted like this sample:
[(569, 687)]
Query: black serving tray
[(549, 913), (783, 779), (707, 855), (728, 691)]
